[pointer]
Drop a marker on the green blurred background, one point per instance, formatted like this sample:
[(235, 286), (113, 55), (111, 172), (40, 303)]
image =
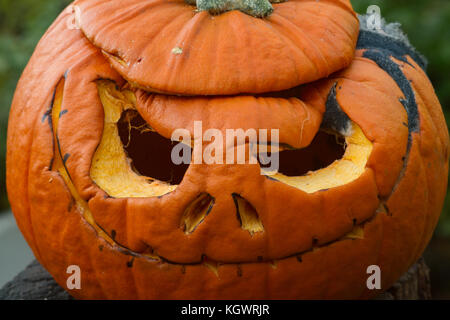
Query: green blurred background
[(427, 23)]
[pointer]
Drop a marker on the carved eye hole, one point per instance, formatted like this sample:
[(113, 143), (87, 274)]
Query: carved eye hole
[(150, 152), (132, 160), (326, 163), (323, 151)]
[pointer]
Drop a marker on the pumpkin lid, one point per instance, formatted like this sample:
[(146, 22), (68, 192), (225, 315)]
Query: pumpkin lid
[(170, 46)]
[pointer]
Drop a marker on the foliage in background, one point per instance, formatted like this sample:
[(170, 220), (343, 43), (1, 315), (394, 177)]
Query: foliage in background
[(22, 23)]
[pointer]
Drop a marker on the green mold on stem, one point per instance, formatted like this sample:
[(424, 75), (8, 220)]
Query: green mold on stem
[(255, 8)]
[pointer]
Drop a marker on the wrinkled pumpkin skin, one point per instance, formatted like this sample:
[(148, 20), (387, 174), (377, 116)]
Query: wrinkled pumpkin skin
[(303, 252)]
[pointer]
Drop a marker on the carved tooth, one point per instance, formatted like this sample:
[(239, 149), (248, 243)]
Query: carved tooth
[(211, 265), (356, 233)]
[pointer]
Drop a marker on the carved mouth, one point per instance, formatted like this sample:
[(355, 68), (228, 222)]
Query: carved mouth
[(117, 185)]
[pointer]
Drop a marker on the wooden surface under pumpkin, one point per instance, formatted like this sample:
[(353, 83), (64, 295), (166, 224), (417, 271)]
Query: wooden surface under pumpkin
[(35, 283)]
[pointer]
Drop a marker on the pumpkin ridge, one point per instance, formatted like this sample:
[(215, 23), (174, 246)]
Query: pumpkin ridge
[(304, 36), (345, 31), (36, 247), (188, 33), (409, 103)]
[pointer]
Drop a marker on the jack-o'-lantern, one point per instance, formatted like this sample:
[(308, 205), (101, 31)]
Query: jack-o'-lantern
[(363, 151)]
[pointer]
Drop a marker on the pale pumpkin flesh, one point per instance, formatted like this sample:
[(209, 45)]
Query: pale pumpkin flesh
[(341, 172), (111, 169)]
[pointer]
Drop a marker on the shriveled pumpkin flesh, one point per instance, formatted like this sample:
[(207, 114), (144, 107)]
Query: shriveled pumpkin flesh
[(58, 165), (111, 169), (342, 171)]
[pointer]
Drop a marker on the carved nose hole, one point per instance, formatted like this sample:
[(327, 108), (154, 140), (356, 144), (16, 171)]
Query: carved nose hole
[(247, 215), (196, 212)]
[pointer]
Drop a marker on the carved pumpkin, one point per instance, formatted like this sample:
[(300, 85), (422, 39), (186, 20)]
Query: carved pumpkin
[(363, 168)]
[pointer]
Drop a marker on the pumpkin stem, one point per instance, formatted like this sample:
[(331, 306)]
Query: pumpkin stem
[(255, 8)]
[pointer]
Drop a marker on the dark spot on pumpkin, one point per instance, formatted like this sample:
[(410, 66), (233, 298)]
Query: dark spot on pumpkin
[(299, 258), (58, 144), (183, 269), (46, 115), (113, 234), (149, 250), (50, 166), (130, 263), (100, 247), (315, 242), (71, 203), (239, 270), (63, 112), (355, 221), (66, 156), (389, 213), (334, 118)]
